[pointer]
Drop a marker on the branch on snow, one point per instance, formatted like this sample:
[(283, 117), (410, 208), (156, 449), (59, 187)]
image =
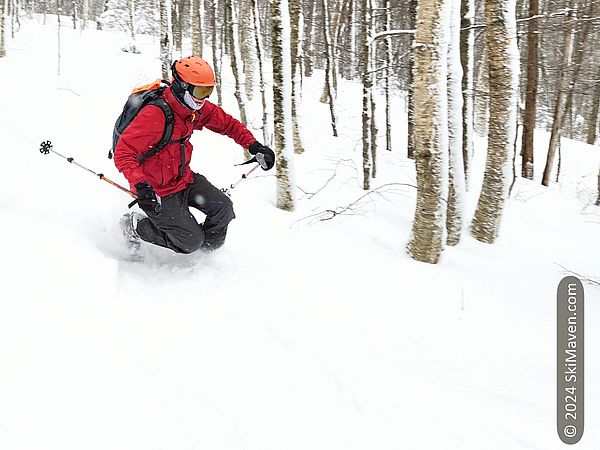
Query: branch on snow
[(589, 280), (340, 162), (353, 208)]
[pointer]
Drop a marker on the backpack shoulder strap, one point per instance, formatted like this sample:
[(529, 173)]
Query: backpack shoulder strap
[(167, 132)]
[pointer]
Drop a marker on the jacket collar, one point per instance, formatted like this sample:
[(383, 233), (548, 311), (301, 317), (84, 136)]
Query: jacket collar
[(178, 108)]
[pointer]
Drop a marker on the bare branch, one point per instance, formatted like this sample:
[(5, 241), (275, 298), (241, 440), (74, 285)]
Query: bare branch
[(352, 208), (590, 280)]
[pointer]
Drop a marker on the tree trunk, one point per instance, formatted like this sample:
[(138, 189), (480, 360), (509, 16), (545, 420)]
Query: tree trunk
[(85, 11), (373, 134), (467, 44), (235, 58), (355, 19), (216, 49), (529, 115), (456, 178), (341, 31), (165, 39), (579, 47), (196, 13), (247, 48), (295, 8), (388, 76), (503, 78), (309, 42), (559, 150), (367, 84), (329, 92), (282, 70), (559, 106), (267, 138), (430, 69), (481, 94), (598, 201), (2, 13), (73, 12), (58, 43), (176, 25), (410, 140), (593, 122), (131, 21), (372, 112)]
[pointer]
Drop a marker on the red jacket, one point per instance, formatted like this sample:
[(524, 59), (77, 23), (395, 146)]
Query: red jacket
[(163, 170)]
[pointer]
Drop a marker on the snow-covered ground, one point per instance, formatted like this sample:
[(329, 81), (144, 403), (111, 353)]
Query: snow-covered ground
[(299, 333)]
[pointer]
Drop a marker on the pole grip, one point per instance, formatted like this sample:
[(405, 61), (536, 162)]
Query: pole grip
[(132, 204)]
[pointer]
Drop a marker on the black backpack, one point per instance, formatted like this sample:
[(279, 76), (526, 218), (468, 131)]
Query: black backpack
[(150, 94)]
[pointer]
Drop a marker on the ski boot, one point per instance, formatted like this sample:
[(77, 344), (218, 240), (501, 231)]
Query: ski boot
[(128, 224)]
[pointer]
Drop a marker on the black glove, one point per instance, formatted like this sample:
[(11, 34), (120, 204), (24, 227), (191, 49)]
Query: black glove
[(147, 198), (262, 155)]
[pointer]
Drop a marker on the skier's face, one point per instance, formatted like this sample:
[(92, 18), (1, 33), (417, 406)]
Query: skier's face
[(191, 102)]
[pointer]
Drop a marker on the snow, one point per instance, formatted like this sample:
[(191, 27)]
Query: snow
[(299, 333)]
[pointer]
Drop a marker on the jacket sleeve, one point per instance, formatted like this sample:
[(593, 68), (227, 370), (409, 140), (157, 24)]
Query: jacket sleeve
[(217, 120), (141, 134)]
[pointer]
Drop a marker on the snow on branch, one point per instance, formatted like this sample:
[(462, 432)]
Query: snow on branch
[(561, 13), (389, 33)]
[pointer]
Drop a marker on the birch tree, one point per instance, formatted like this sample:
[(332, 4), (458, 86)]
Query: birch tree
[(247, 48), (456, 179), (481, 94), (308, 44), (467, 55), (236, 60), (329, 89), (389, 55), (197, 13), (267, 138), (410, 138), (593, 125), (216, 48), (503, 84), (559, 106), (431, 129), (295, 9), (177, 24), (58, 35), (529, 115), (2, 13), (165, 39), (85, 11), (367, 84), (373, 131), (598, 200), (282, 105), (132, 47)]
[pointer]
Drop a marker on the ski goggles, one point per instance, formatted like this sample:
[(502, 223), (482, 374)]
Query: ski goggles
[(200, 92)]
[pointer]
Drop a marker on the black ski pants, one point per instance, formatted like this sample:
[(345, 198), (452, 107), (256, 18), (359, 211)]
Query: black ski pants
[(176, 228)]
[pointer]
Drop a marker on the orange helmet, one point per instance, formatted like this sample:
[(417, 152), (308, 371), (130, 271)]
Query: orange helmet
[(194, 70)]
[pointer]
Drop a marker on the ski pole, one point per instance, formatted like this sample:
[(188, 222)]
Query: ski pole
[(244, 176), (46, 147)]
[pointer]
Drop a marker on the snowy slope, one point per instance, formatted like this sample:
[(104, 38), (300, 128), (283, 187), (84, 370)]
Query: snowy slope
[(299, 333)]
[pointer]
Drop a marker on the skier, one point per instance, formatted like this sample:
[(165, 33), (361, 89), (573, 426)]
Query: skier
[(165, 185)]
